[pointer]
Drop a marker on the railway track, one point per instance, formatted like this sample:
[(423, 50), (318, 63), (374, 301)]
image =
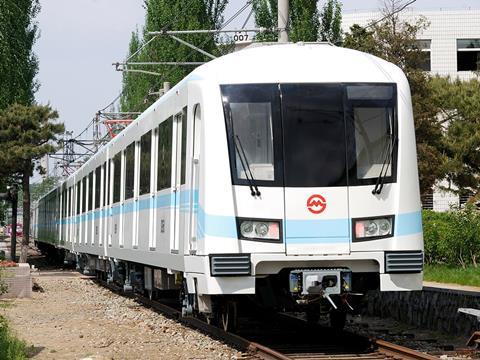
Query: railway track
[(319, 345)]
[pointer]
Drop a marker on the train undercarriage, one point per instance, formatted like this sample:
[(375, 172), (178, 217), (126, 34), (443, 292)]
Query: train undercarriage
[(327, 294)]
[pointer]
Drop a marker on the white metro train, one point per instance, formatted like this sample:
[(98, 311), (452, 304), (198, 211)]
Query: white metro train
[(286, 171)]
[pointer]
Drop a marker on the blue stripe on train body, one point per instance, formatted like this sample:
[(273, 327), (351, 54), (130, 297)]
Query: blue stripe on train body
[(225, 225)]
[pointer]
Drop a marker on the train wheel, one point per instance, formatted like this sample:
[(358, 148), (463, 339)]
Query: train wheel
[(338, 319), (187, 300), (228, 316)]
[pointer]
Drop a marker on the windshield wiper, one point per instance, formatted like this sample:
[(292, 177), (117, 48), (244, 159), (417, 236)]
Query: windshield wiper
[(386, 163), (246, 167)]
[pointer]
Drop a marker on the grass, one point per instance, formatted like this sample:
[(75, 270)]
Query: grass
[(11, 347), (452, 274), (6, 303)]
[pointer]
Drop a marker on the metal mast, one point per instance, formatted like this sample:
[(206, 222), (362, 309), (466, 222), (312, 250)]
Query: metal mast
[(282, 21)]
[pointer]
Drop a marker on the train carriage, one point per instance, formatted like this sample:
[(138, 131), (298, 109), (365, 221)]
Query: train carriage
[(285, 169)]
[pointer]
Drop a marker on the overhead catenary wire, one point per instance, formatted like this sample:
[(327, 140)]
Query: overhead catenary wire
[(225, 24)]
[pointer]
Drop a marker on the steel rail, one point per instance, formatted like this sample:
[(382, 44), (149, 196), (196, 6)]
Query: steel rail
[(394, 350)]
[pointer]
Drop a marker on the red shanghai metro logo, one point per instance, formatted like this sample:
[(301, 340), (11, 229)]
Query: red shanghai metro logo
[(316, 204)]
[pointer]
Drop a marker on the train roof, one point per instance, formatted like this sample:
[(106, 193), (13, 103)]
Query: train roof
[(297, 62)]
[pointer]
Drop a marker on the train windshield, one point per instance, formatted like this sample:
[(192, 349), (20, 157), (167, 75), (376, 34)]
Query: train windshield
[(252, 114), (370, 114), (317, 135)]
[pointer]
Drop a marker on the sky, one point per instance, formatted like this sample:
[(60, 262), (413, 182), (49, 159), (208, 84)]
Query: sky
[(80, 39)]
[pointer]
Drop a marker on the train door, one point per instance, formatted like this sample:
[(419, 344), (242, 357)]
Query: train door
[(178, 178), (316, 192), (195, 172)]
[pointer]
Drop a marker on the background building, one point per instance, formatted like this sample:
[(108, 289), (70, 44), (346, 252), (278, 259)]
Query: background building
[(451, 41)]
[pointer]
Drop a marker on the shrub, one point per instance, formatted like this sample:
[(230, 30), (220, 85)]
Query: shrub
[(452, 237), (11, 348)]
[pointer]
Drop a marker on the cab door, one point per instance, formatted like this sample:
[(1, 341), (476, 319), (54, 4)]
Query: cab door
[(315, 170), (178, 179)]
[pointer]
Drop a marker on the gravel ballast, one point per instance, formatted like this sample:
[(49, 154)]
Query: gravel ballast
[(75, 318)]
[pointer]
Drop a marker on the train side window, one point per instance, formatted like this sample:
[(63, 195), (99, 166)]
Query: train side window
[(84, 194), (70, 198), (184, 145), (164, 159), (90, 191), (129, 170), (64, 209), (145, 163), (98, 174), (63, 204), (105, 183), (79, 200), (117, 168)]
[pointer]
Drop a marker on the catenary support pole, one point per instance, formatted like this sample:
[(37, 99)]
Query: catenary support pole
[(13, 237), (283, 21)]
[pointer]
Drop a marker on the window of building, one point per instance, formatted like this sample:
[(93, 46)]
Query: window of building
[(117, 168), (425, 61), (164, 160), (427, 201), (468, 54), (145, 156), (90, 191), (129, 170), (98, 178)]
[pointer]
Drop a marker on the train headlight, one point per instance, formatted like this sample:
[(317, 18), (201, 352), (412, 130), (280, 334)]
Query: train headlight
[(374, 228), (262, 230), (246, 228)]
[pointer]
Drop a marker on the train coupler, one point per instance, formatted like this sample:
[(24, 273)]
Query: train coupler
[(320, 281)]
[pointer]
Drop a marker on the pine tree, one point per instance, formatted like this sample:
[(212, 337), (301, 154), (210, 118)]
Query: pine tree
[(26, 135), (459, 114), (18, 66)]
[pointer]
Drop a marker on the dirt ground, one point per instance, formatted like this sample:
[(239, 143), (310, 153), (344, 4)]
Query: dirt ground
[(73, 318)]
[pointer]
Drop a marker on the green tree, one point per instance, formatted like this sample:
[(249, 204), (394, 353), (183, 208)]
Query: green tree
[(135, 85), (27, 134), (396, 41), (18, 66), (42, 188), (458, 102), (305, 22), (18, 63), (168, 15), (331, 22), (266, 17)]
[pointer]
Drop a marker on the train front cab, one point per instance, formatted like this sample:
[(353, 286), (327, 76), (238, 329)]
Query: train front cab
[(325, 191)]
